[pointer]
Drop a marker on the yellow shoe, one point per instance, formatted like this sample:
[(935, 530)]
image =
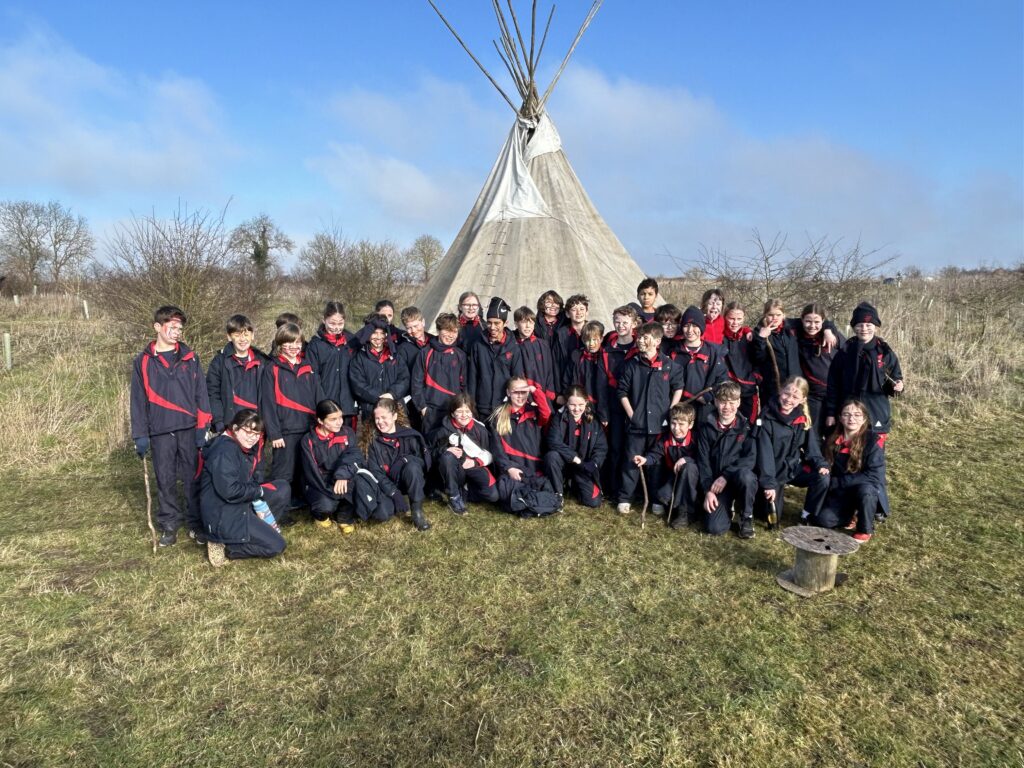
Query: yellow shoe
[(325, 524), (346, 528)]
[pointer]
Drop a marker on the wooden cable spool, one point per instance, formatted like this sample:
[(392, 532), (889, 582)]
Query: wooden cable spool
[(817, 555)]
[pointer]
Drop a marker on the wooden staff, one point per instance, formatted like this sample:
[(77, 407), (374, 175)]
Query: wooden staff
[(775, 362), (149, 503), (672, 499), (643, 509), (694, 398)]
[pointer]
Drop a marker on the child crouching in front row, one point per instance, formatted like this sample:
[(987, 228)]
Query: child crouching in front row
[(726, 454), (577, 448), (331, 460), (673, 461)]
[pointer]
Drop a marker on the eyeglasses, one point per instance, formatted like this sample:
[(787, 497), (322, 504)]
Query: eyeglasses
[(242, 335), (249, 432), (469, 306)]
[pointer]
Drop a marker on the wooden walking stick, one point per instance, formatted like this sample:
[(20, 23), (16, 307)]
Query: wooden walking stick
[(149, 503), (694, 398), (672, 499), (643, 509)]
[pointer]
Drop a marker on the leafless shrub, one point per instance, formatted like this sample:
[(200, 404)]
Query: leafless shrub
[(185, 260), (830, 272), (357, 273)]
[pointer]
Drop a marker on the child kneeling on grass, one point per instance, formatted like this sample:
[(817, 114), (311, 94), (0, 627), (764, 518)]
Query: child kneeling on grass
[(229, 488), (726, 454), (857, 494), (517, 432), (396, 455), (576, 449), (673, 461), (331, 460)]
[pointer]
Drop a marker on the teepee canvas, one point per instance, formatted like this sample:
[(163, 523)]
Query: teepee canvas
[(533, 227)]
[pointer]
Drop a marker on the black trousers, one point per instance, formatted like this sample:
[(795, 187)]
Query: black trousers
[(740, 488), (558, 470), (611, 470), (480, 482), (685, 500), (841, 505), (286, 464), (263, 541), (816, 485), (637, 444), (176, 458)]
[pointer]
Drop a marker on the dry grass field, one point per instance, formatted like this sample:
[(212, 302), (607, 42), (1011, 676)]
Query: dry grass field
[(579, 640)]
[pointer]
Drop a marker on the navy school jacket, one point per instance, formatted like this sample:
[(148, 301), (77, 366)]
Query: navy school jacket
[(547, 332), (522, 447), (703, 367), (470, 333), (667, 450), (331, 355), (408, 349), (783, 341), (233, 383), (438, 373), (649, 386), (439, 439), (872, 469), (863, 372), (290, 394), (490, 368), (228, 484), (615, 356), (739, 367), (815, 361), (570, 439), (538, 365), (565, 341), (784, 446), (724, 451), (387, 453), (329, 457), (591, 371), (168, 392), (370, 376)]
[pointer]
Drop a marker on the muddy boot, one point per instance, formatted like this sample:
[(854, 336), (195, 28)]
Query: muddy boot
[(421, 523)]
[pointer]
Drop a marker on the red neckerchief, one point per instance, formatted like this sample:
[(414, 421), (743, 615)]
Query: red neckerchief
[(381, 357), (466, 321), (337, 339), (723, 428), (737, 335), (460, 428), (590, 356), (655, 363), (674, 443), (695, 354), (291, 366)]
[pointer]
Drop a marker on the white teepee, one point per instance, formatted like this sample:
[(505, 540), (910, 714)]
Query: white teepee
[(533, 227)]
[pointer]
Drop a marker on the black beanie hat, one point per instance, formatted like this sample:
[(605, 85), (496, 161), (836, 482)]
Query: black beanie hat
[(695, 316), (498, 309), (865, 313)]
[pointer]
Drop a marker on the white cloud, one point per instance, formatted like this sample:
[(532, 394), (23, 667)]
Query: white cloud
[(73, 125)]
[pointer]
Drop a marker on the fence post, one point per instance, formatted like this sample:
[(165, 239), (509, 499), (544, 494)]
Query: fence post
[(35, 289), (85, 308), (17, 302), (8, 360)]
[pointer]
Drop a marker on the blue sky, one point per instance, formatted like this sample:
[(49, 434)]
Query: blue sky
[(898, 124)]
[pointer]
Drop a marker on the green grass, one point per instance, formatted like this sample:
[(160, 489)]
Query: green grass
[(580, 640)]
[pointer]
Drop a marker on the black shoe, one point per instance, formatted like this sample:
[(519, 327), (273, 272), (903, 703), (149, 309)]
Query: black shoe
[(457, 505), (421, 523), (199, 537), (681, 520), (168, 538), (746, 528), (436, 495)]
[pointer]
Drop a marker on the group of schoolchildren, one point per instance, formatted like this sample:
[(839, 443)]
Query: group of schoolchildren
[(694, 411)]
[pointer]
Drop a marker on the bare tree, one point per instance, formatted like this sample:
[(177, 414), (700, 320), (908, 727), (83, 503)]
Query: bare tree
[(261, 241), (826, 271), (184, 260), (43, 242), (424, 254)]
